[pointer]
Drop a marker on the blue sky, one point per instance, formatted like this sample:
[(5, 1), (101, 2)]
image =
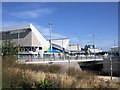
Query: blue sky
[(77, 21)]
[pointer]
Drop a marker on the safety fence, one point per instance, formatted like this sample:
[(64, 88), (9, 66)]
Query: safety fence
[(55, 58)]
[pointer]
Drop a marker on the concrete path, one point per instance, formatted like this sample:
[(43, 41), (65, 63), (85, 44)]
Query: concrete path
[(61, 61)]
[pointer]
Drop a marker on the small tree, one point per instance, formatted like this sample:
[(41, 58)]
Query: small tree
[(10, 49)]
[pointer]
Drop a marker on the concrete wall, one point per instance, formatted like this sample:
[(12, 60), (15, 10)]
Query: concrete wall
[(115, 65), (27, 40), (35, 41)]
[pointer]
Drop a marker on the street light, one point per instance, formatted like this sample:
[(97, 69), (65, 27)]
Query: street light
[(50, 28), (111, 70), (18, 43), (70, 51), (114, 43), (69, 61), (94, 44), (63, 49)]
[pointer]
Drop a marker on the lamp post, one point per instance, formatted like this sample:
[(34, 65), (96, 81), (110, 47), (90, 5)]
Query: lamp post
[(63, 49), (70, 51), (50, 28), (69, 61), (18, 43), (111, 70), (114, 43), (94, 44)]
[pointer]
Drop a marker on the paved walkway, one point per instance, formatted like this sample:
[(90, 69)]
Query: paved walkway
[(61, 61)]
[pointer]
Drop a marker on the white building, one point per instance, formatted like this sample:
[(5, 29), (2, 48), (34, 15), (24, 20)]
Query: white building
[(28, 37), (74, 48), (31, 41), (96, 50), (62, 42), (92, 49)]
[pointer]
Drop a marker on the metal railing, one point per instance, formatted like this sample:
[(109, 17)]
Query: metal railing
[(55, 58)]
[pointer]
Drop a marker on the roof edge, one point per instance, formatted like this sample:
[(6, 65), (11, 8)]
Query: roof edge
[(18, 26)]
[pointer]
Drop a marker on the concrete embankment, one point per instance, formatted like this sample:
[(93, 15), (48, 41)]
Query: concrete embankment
[(67, 65)]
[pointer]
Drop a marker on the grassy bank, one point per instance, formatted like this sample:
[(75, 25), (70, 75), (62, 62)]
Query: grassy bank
[(50, 76)]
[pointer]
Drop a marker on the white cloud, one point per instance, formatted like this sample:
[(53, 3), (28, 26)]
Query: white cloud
[(12, 23), (105, 44), (74, 40), (34, 13), (46, 33)]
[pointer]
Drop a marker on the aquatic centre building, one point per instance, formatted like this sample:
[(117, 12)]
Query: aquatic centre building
[(32, 42), (28, 37)]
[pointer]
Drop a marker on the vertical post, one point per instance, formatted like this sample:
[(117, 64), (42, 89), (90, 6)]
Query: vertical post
[(114, 43), (77, 50), (69, 61), (63, 49), (70, 51), (69, 66), (18, 43), (111, 65), (50, 28), (114, 49), (94, 44)]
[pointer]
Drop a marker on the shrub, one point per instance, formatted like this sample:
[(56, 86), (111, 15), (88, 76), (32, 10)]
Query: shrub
[(66, 81), (73, 72), (26, 84), (54, 68), (45, 84), (10, 50)]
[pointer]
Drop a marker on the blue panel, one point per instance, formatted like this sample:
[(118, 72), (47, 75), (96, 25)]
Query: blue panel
[(53, 50)]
